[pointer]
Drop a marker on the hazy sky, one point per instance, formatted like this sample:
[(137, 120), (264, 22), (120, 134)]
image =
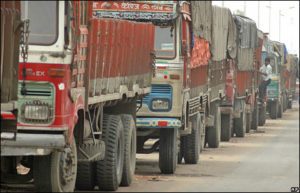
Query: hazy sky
[(289, 33)]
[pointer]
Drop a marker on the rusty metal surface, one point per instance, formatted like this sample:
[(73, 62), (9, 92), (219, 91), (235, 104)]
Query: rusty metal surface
[(118, 50), (10, 35), (243, 82), (198, 76), (217, 72)]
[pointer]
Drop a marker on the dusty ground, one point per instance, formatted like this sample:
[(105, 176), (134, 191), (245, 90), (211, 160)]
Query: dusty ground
[(267, 160)]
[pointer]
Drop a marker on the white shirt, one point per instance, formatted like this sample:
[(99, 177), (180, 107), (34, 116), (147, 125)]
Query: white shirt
[(267, 69)]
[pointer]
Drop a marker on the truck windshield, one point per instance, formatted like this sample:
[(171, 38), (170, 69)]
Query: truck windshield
[(164, 44), (43, 21)]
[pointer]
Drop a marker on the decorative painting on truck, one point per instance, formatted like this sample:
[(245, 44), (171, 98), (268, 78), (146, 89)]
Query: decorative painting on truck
[(130, 10)]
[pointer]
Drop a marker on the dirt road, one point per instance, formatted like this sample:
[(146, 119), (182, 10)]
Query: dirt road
[(266, 160)]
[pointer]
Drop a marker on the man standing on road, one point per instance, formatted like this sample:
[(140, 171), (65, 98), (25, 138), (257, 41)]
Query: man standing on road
[(266, 71)]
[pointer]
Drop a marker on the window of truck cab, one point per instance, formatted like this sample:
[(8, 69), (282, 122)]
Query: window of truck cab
[(43, 24), (165, 43)]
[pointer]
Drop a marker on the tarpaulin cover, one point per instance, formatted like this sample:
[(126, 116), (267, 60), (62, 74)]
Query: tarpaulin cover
[(201, 19), (281, 49), (245, 57), (200, 53), (219, 33), (247, 32), (223, 34)]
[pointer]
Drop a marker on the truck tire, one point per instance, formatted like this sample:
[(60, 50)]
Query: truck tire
[(240, 125), (255, 117), (273, 110), (226, 127), (280, 110), (289, 105), (129, 149), (85, 175), (168, 150), (202, 131), (248, 121), (109, 171), (284, 101), (192, 143), (56, 172), (262, 115), (214, 133), (180, 151)]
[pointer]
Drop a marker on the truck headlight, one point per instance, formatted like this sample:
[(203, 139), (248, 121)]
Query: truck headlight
[(36, 112), (160, 104)]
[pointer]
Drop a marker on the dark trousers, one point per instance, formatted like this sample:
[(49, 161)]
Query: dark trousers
[(263, 88)]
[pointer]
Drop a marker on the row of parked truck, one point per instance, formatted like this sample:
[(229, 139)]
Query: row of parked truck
[(85, 84)]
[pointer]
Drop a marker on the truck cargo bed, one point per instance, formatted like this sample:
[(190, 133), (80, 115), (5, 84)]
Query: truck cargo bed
[(119, 59)]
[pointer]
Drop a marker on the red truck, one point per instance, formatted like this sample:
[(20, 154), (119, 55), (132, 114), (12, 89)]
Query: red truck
[(292, 74), (243, 78), (77, 96)]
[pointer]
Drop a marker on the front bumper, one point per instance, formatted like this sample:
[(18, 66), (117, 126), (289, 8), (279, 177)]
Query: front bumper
[(151, 123), (25, 144)]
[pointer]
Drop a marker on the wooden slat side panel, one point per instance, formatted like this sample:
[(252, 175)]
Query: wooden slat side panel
[(119, 50)]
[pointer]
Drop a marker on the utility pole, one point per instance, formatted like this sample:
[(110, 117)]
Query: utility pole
[(258, 6), (280, 24), (269, 6), (244, 8), (291, 24), (222, 3)]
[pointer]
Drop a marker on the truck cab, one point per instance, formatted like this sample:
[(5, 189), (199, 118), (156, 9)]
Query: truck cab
[(274, 95), (164, 113)]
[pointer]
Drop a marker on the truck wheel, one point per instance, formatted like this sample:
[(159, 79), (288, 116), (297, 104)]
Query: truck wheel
[(180, 152), (214, 133), (280, 110), (255, 117), (225, 127), (85, 175), (192, 143), (273, 110), (262, 115), (289, 105), (240, 125), (56, 172), (202, 131), (168, 150), (109, 171), (129, 149), (248, 121), (284, 101)]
